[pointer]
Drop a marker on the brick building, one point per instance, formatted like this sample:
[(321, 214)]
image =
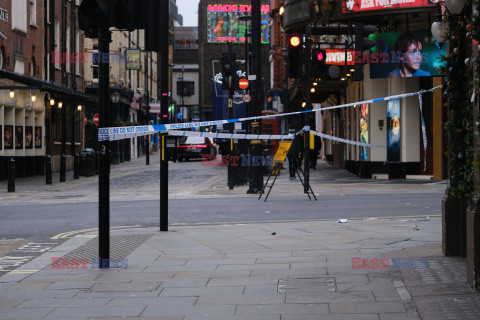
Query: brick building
[(22, 109)]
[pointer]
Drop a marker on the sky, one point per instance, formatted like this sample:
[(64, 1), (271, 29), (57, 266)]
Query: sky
[(188, 9)]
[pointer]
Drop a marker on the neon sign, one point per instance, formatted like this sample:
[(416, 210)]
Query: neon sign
[(235, 8)]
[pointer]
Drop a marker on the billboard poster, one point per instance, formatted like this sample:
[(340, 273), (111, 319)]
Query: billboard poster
[(224, 24), (8, 137), (404, 54), (18, 137), (28, 137), (352, 6), (38, 137), (393, 130), (364, 131)]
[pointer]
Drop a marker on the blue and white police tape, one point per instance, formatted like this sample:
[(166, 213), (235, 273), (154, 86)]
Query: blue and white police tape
[(229, 135), (356, 143), (118, 133)]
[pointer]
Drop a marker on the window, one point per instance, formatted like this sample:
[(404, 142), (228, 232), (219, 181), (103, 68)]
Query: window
[(68, 48), (185, 88), (33, 12), (19, 65), (95, 64), (33, 67), (77, 46), (57, 41), (19, 15)]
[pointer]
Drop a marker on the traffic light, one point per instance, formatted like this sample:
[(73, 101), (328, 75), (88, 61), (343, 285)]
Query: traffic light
[(93, 14), (319, 58), (151, 15), (229, 70), (361, 45), (130, 14), (295, 56)]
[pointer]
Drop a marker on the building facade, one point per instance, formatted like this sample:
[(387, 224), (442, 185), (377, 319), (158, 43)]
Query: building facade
[(219, 23), (22, 108)]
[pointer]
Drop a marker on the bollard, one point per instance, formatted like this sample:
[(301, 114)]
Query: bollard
[(48, 169), (76, 166), (11, 175), (63, 168)]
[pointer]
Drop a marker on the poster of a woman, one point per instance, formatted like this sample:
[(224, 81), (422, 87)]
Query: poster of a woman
[(364, 131)]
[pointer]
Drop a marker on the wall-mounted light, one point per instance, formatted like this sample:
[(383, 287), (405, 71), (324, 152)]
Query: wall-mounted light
[(52, 102), (60, 105), (34, 98), (315, 84), (304, 105), (281, 10), (79, 108), (312, 90), (12, 94)]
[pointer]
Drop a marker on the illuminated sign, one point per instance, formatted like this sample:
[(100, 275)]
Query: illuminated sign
[(235, 8), (224, 23), (349, 6), (337, 57)]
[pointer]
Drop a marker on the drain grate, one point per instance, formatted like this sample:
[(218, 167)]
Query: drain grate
[(120, 247)]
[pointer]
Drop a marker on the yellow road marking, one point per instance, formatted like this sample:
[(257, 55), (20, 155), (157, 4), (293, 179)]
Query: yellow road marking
[(23, 271), (72, 233)]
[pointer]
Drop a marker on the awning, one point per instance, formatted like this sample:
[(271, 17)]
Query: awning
[(50, 87)]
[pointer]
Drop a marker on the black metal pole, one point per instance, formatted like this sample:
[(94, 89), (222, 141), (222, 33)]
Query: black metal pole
[(164, 34), (147, 137), (48, 145), (308, 106), (63, 157), (231, 173), (52, 40), (103, 153), (256, 181)]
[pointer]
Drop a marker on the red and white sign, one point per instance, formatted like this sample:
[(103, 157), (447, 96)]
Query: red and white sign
[(337, 57), (243, 83), (247, 98), (350, 6), (96, 119)]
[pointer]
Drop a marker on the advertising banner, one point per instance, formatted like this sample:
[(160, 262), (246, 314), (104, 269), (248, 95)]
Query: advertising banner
[(403, 54), (393, 130), (350, 6), (364, 131)]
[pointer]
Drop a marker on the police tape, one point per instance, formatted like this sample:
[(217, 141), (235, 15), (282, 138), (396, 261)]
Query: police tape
[(229, 135), (356, 143), (119, 133)]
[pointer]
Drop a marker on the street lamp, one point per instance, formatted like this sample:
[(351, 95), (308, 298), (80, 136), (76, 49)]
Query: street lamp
[(115, 96), (439, 27)]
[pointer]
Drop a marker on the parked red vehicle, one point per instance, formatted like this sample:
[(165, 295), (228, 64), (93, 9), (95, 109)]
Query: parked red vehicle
[(195, 147)]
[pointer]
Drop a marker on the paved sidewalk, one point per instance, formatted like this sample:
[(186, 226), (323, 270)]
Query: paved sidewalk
[(260, 271)]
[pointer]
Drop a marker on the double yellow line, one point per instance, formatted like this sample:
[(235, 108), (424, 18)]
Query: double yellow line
[(71, 234)]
